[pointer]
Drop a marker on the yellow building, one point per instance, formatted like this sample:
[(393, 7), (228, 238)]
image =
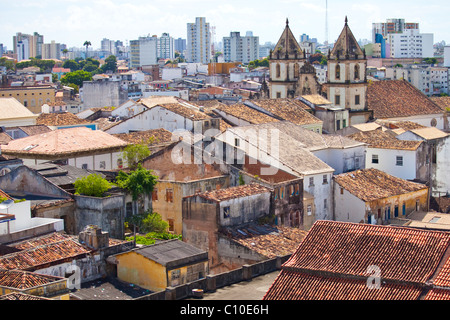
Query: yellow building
[(30, 283), (31, 97), (166, 264)]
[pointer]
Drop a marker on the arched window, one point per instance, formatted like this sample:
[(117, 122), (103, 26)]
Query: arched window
[(338, 72), (278, 70), (357, 72)]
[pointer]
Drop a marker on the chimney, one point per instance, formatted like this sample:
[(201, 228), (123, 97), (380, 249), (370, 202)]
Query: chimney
[(93, 237)]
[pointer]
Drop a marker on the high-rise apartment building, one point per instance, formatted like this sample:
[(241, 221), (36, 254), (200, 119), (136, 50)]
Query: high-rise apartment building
[(411, 44), (180, 45), (143, 51), (166, 47), (242, 49), (108, 47), (22, 49), (403, 39), (51, 50), (34, 41), (392, 26), (198, 44)]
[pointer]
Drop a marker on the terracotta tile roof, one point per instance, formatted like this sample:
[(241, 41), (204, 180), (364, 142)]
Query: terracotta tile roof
[(64, 142), (42, 255), (3, 194), (442, 102), (234, 192), (288, 109), (21, 296), (5, 138), (333, 259), (20, 280), (270, 241), (383, 140), (403, 254), (442, 279), (405, 125), (438, 294), (291, 285), (59, 119), (37, 129), (182, 110), (373, 184), (160, 136), (398, 98), (246, 113)]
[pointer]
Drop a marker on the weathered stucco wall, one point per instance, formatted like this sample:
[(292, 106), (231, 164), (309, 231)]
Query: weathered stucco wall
[(106, 213)]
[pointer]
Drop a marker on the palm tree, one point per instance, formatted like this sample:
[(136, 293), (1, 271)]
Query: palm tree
[(65, 53), (87, 44)]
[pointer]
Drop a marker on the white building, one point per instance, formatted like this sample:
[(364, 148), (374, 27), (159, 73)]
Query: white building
[(198, 44), (144, 51), (411, 44), (166, 47), (241, 49), (23, 50)]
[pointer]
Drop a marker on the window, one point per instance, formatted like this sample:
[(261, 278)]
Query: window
[(278, 70), (356, 163), (171, 224), (84, 166), (226, 212), (342, 190), (278, 95), (357, 72), (344, 123), (236, 142), (338, 72), (337, 99), (324, 203), (169, 195), (102, 164), (375, 158), (338, 124), (399, 161), (324, 179), (311, 181), (357, 99), (155, 194), (309, 209), (297, 189)]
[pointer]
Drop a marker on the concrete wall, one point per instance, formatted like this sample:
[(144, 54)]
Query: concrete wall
[(244, 209), (107, 213), (343, 160), (99, 94), (213, 282)]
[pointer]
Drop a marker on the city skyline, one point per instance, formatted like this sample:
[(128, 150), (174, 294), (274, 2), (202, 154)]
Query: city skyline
[(74, 22)]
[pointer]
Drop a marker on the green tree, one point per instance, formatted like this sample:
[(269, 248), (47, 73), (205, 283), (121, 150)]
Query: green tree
[(90, 67), (76, 77), (71, 64), (9, 64), (87, 44), (134, 153), (92, 185), (110, 64), (138, 183)]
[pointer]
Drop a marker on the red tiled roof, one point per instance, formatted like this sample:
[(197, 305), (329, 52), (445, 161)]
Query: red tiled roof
[(234, 192), (438, 294), (403, 254), (398, 98), (291, 285), (18, 279), (332, 262), (45, 250), (372, 184)]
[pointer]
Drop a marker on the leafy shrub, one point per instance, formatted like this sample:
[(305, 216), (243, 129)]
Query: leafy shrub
[(92, 185)]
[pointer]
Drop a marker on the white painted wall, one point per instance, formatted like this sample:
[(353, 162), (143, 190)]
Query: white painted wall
[(321, 192), (348, 208), (154, 118), (387, 162)]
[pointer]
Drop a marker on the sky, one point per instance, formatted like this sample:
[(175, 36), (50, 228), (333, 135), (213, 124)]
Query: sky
[(72, 22)]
